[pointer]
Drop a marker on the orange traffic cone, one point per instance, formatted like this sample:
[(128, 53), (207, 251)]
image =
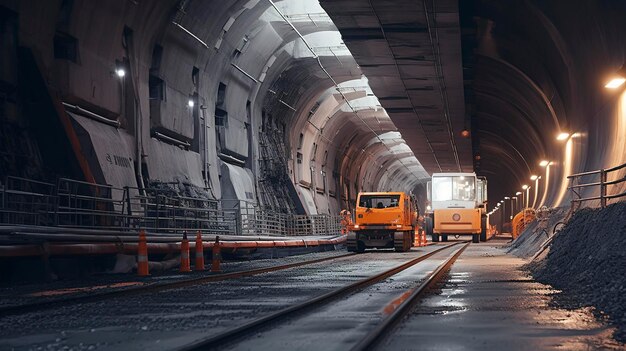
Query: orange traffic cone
[(217, 256), (184, 254), (199, 252), (423, 237), (416, 239), (142, 256)]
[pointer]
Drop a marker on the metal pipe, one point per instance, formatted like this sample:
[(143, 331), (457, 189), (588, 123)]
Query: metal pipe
[(158, 248), (228, 158), (91, 115), (171, 140), (205, 146), (244, 72), (191, 34)]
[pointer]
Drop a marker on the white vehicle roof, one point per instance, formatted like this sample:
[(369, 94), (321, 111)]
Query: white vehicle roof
[(457, 174)]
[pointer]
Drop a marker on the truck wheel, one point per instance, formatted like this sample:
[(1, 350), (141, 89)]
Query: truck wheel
[(435, 237), (475, 238), (444, 237), (351, 242), (360, 247), (401, 242), (483, 229)]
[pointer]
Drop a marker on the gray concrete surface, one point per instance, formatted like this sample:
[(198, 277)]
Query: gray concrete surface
[(491, 303)]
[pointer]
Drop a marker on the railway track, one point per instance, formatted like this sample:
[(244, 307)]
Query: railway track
[(231, 336), (151, 288)]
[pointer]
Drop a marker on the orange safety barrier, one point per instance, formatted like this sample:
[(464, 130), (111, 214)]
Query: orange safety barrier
[(142, 256), (417, 240), (199, 253), (184, 254), (217, 256), (420, 238)]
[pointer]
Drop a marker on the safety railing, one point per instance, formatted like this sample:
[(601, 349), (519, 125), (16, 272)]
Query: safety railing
[(256, 220), (160, 211), (76, 204), (26, 201), (603, 184), (82, 204)]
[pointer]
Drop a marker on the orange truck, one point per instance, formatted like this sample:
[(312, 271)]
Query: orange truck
[(383, 220)]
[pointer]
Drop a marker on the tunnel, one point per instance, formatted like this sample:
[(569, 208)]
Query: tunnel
[(257, 125)]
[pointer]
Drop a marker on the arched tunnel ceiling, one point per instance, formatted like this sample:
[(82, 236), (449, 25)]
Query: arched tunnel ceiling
[(534, 69), (410, 51)]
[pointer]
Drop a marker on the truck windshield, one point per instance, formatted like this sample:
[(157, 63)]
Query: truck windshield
[(379, 201), (459, 188)]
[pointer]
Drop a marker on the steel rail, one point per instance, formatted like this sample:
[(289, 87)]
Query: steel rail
[(215, 341), (150, 288), (374, 337)]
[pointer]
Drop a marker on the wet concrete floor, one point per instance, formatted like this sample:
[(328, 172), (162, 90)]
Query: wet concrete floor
[(490, 303)]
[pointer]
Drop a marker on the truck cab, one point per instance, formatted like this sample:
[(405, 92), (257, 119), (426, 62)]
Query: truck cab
[(383, 220)]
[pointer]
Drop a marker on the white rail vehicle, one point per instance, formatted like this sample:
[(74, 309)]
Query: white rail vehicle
[(457, 206)]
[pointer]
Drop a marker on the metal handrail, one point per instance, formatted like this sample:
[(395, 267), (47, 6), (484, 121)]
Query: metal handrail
[(78, 204), (602, 184)]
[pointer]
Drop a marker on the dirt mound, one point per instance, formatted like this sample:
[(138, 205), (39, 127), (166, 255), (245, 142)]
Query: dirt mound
[(587, 261)]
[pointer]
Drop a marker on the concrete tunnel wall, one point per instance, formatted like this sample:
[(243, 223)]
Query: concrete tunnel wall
[(245, 64)]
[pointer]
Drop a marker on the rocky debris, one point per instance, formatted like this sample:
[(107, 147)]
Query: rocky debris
[(537, 232), (587, 261)]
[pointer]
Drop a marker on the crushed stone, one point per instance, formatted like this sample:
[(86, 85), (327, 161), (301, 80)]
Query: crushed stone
[(587, 262)]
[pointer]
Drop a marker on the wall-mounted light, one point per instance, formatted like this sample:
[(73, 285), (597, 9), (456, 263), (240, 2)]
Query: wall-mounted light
[(465, 133), (120, 68), (544, 163), (524, 186), (191, 103), (533, 177), (618, 79), (615, 83), (562, 136)]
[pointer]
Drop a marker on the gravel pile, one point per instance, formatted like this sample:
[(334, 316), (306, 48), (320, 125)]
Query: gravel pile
[(587, 261), (531, 239)]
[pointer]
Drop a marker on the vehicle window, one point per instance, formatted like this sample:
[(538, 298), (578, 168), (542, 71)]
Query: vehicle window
[(379, 201), (454, 188)]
